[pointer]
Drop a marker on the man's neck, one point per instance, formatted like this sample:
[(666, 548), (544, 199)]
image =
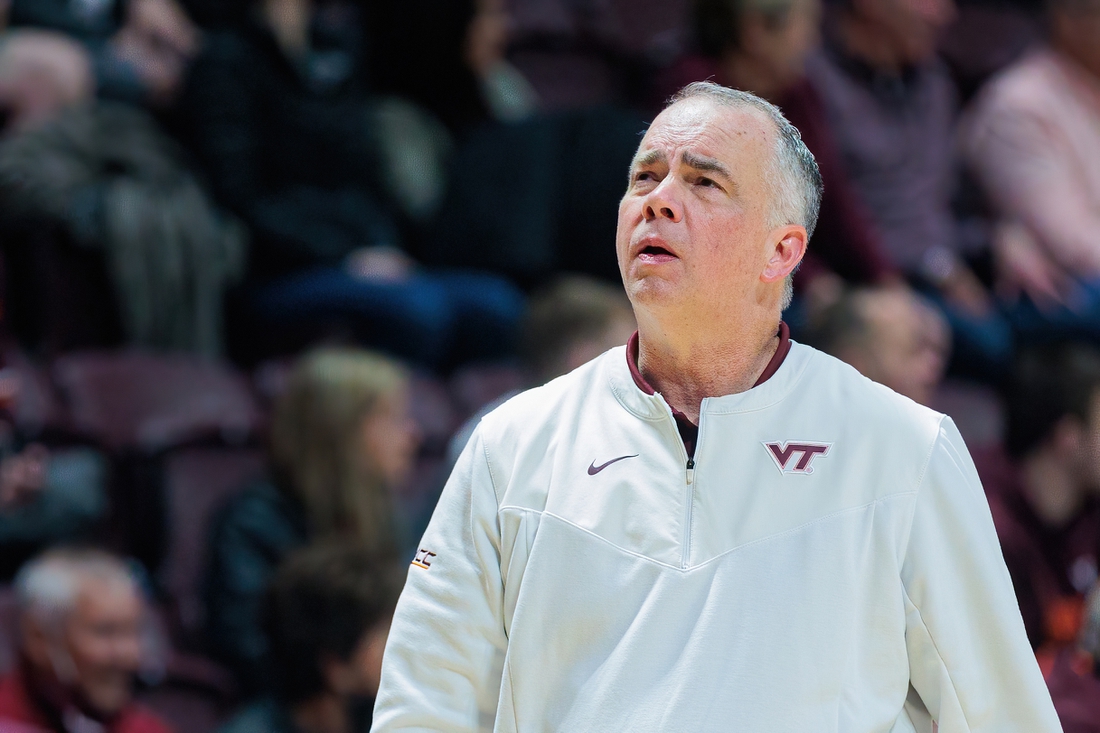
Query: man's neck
[(1051, 489), (686, 368), (862, 40)]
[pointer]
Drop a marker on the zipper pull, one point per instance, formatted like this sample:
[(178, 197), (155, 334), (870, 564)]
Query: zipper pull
[(690, 470)]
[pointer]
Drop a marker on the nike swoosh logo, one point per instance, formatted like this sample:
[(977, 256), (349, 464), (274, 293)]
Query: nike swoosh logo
[(594, 469)]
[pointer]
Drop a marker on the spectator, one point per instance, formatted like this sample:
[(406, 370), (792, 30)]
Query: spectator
[(889, 335), (81, 618), (116, 190), (140, 47), (341, 439), (892, 106), (41, 74), (47, 497), (277, 114), (1044, 492), (1033, 139), (327, 614), (569, 323), (761, 46), (1072, 680)]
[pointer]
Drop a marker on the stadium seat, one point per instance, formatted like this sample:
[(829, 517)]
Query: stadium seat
[(132, 400)]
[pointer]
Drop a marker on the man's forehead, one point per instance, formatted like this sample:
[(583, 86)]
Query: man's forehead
[(705, 128)]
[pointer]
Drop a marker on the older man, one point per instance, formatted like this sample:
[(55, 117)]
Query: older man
[(80, 622), (714, 528)]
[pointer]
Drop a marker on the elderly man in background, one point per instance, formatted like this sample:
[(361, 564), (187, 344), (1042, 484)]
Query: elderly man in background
[(890, 335), (1033, 139), (713, 527), (80, 641)]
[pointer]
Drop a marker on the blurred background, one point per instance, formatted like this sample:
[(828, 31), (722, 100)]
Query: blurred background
[(265, 262)]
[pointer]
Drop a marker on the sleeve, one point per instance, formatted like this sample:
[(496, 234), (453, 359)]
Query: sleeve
[(969, 658), (443, 662)]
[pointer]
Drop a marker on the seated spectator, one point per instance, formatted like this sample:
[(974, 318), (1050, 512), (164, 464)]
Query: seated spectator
[(101, 189), (1045, 493), (41, 75), (891, 105), (1072, 679), (1033, 140), (327, 615), (341, 439), (569, 323), (48, 497), (80, 622), (761, 46), (140, 47), (889, 335), (277, 114)]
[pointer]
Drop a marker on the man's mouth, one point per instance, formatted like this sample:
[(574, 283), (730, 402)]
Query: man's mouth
[(655, 253)]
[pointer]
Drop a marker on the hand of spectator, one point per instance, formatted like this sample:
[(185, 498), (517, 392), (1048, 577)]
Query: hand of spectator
[(1023, 267), (159, 40), (22, 476), (380, 264), (963, 289)]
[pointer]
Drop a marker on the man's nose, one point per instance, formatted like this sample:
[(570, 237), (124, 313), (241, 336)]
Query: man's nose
[(663, 203)]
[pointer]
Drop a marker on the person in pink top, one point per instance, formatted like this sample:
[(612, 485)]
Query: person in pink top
[(1033, 140)]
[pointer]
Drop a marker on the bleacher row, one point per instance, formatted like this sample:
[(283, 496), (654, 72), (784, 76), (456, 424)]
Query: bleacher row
[(183, 435)]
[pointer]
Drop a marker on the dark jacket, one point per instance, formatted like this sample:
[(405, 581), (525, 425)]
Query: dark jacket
[(286, 145), (254, 533)]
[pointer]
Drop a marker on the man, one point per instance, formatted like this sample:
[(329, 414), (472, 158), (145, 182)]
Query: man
[(1045, 493), (80, 630), (713, 528), (1033, 140), (889, 335), (891, 104), (328, 613)]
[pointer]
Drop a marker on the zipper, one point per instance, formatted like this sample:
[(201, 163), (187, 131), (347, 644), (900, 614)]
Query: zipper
[(689, 510)]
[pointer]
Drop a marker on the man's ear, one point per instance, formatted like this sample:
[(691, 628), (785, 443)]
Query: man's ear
[(786, 248)]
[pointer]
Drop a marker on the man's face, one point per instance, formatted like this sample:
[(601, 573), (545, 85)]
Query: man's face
[(907, 349), (693, 234), (911, 27), (103, 640)]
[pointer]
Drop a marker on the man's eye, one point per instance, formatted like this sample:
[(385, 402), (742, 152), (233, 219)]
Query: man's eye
[(643, 176), (702, 181)]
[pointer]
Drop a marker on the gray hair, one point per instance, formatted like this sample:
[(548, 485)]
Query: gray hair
[(48, 586), (793, 175)]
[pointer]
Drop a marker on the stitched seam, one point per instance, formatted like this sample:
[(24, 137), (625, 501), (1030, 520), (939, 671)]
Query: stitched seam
[(492, 476), (904, 546)]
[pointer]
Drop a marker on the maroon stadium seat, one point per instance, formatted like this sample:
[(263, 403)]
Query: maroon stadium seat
[(197, 481), (137, 400)]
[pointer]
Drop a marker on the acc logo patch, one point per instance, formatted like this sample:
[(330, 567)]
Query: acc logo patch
[(792, 457), (423, 559)]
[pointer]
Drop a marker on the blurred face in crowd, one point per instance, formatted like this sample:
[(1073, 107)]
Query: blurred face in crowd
[(487, 36), (360, 674), (389, 438), (1086, 450), (694, 239), (910, 28), (97, 650), (781, 43), (906, 345), (41, 75)]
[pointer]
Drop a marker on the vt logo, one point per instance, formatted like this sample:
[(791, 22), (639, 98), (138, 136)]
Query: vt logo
[(796, 457)]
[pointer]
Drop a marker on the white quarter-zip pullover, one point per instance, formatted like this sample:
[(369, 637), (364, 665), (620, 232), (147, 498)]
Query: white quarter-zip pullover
[(828, 564)]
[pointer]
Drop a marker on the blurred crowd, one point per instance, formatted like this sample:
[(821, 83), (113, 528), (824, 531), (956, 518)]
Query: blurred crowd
[(266, 262)]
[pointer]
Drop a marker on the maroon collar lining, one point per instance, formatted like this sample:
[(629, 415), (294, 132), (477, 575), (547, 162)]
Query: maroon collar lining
[(769, 371)]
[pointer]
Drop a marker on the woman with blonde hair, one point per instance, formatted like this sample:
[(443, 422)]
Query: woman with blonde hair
[(341, 439)]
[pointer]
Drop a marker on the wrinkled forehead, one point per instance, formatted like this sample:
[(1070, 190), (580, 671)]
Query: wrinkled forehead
[(733, 135), (107, 597)]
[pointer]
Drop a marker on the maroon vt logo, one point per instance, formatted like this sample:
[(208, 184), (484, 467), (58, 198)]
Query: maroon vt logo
[(796, 457)]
